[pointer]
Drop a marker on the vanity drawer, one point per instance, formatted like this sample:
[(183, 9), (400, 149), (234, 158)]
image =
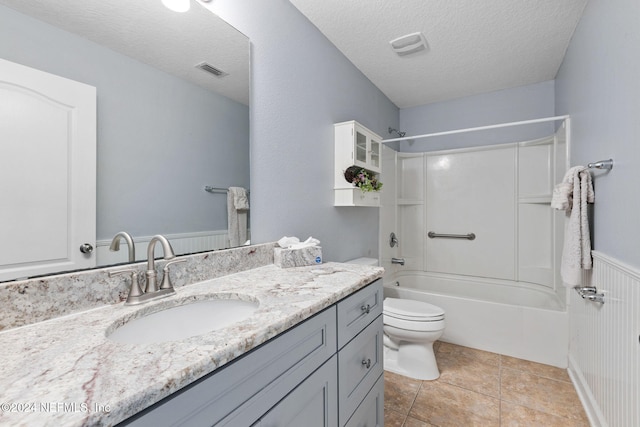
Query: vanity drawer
[(359, 367), (358, 310), (370, 413)]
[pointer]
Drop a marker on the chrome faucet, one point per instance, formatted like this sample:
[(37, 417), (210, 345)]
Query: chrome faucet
[(397, 261), (115, 244), (152, 285)]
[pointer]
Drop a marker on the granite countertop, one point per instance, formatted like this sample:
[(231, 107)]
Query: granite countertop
[(65, 372)]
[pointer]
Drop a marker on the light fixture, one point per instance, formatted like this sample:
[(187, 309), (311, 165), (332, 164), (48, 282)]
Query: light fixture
[(411, 43), (177, 5)]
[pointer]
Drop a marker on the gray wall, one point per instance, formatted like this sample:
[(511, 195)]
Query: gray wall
[(301, 86), (160, 139), (510, 105), (599, 85)]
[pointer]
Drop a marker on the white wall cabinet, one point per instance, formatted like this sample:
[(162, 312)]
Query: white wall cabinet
[(293, 379), (355, 145)]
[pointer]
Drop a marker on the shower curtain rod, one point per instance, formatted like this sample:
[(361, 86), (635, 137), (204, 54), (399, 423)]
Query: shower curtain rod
[(501, 125)]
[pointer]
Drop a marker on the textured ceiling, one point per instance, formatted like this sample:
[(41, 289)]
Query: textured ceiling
[(149, 32), (474, 46)]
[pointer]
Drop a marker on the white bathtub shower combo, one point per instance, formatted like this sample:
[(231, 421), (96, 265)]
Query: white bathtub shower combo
[(479, 241)]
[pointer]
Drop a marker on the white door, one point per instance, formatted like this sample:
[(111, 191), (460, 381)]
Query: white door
[(47, 172)]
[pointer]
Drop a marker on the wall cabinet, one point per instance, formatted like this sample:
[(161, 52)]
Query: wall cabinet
[(301, 377), (355, 145)]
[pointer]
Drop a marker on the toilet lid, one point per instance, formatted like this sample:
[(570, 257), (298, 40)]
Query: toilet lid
[(409, 309)]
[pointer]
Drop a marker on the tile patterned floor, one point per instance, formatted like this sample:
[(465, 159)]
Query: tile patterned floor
[(478, 388)]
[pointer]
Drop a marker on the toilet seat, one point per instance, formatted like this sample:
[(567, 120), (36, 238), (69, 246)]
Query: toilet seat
[(411, 325), (412, 311)]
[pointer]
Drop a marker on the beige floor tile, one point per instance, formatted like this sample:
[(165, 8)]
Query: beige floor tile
[(399, 392), (393, 418), (512, 415), (540, 393), (469, 372), (535, 368), (443, 404), (457, 350), (412, 422)]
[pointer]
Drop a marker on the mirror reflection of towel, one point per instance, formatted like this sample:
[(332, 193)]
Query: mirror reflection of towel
[(240, 199), (237, 208)]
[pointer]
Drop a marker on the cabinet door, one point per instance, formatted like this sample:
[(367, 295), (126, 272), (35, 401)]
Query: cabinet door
[(370, 413), (313, 403), (360, 366), (360, 148), (375, 151)]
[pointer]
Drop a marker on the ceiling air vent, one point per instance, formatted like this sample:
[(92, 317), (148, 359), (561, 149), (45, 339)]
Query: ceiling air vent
[(411, 43), (211, 69)]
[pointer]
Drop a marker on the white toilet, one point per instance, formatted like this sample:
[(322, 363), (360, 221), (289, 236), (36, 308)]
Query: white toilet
[(410, 329)]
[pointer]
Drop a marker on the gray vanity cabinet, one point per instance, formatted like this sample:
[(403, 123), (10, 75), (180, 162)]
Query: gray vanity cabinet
[(360, 365), (302, 377)]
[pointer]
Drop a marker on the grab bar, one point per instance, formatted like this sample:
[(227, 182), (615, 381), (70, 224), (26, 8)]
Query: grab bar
[(469, 236)]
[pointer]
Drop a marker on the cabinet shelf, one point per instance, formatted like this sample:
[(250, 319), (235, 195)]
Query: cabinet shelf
[(355, 197)]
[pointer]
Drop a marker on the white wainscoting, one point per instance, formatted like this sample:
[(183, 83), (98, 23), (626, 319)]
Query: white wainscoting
[(181, 243), (604, 353)]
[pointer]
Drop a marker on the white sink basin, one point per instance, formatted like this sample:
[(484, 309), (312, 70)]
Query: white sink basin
[(183, 321)]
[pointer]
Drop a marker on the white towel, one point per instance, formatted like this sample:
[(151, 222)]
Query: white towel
[(240, 198), (572, 196), (237, 207)]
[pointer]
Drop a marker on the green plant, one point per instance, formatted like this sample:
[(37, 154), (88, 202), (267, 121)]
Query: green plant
[(363, 179)]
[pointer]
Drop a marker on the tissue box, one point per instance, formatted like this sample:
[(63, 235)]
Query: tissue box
[(285, 258)]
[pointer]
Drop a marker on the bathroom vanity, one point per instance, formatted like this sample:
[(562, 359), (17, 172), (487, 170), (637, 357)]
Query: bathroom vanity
[(311, 350), (293, 379)]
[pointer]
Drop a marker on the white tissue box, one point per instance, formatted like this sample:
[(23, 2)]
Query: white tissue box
[(285, 258)]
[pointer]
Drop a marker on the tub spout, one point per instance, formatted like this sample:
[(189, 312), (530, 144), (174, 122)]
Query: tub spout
[(397, 261)]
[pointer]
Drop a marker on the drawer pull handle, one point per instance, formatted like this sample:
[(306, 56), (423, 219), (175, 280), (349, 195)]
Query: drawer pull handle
[(366, 308), (366, 362)]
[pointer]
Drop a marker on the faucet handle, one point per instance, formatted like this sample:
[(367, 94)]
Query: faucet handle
[(135, 292), (166, 280)]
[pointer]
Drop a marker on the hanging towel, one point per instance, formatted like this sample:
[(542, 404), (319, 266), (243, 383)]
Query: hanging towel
[(572, 196), (240, 198), (237, 208)]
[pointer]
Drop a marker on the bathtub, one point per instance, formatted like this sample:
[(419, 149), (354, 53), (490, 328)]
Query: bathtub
[(517, 321)]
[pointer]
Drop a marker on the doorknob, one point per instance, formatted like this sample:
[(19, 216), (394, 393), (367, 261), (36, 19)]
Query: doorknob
[(86, 248)]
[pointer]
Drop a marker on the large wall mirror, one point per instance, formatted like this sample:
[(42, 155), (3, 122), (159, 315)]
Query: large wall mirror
[(165, 128)]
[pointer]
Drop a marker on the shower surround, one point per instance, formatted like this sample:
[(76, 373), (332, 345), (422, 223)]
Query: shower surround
[(500, 287)]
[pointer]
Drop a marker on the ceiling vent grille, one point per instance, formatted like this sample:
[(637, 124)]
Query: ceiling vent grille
[(211, 69), (411, 43)]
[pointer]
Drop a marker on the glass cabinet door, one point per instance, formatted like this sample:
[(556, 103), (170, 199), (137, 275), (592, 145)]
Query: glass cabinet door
[(361, 148), (375, 154)]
